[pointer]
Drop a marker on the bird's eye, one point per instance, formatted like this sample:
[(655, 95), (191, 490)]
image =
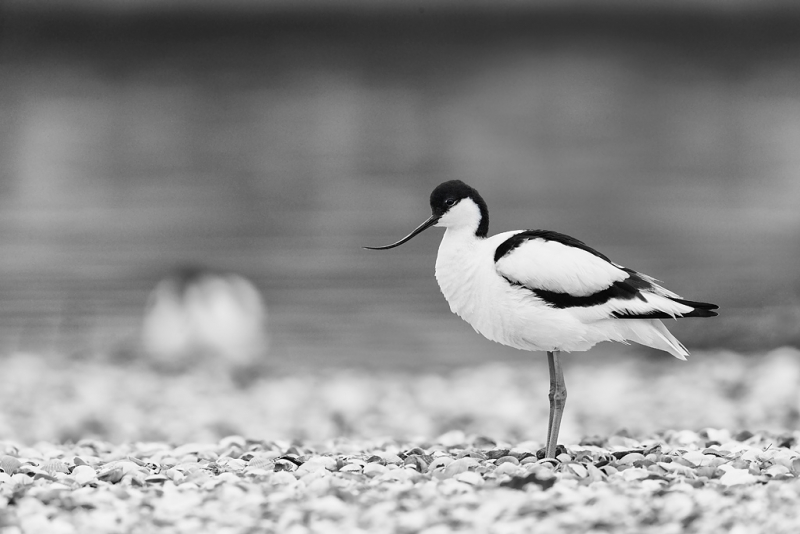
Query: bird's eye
[(450, 202)]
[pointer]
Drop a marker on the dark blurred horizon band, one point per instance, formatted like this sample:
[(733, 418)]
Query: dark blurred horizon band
[(267, 6)]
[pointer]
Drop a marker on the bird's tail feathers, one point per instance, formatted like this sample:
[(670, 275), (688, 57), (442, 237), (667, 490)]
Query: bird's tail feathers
[(653, 333)]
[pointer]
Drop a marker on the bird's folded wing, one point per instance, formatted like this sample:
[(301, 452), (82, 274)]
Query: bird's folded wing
[(556, 266)]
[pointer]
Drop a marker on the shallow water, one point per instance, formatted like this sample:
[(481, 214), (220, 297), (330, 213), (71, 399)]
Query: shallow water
[(278, 145)]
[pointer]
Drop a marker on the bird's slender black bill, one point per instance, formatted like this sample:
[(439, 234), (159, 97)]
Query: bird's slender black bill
[(427, 224)]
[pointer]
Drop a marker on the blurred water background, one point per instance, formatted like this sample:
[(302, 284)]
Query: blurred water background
[(276, 139)]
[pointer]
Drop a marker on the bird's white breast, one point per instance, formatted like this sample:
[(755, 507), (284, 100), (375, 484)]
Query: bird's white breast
[(466, 274), (500, 311)]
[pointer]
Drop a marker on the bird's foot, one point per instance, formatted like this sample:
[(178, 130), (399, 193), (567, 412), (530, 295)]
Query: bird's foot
[(560, 449)]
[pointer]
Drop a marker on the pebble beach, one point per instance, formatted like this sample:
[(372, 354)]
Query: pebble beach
[(708, 446)]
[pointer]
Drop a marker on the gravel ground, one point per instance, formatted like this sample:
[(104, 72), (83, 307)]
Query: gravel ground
[(677, 482), (92, 447)]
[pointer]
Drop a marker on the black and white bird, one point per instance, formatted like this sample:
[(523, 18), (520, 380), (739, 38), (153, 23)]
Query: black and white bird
[(541, 290), (200, 316)]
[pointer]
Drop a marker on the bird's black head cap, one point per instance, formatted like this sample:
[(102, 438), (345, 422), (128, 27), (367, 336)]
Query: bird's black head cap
[(448, 194)]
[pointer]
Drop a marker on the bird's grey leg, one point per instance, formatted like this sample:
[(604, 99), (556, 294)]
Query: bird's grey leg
[(558, 398)]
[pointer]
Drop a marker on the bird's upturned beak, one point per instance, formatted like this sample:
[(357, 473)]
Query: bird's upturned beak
[(427, 224)]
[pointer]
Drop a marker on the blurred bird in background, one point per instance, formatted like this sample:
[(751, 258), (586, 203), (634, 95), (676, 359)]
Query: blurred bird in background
[(198, 316)]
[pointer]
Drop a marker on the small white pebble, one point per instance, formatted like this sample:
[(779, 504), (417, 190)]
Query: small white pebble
[(594, 473), (713, 461), (128, 467), (391, 458), (696, 457), (676, 468), (507, 469), (753, 455), (315, 463), (635, 473), (628, 459), (577, 469), (777, 470), (351, 468), (734, 477), (470, 477), (174, 475), (374, 469), (459, 466), (442, 461), (786, 458), (231, 464), (83, 474)]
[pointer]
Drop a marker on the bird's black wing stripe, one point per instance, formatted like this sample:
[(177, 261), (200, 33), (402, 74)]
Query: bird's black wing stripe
[(548, 235), (663, 315), (557, 299), (650, 315), (635, 279), (621, 291), (701, 309)]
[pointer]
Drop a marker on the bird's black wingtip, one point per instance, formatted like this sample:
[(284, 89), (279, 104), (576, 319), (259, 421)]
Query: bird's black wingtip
[(701, 309), (700, 312), (706, 306)]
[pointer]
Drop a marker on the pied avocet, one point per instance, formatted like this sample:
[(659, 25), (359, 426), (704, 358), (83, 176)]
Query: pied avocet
[(543, 290)]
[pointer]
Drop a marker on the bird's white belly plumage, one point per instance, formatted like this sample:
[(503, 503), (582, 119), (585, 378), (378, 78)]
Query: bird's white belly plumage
[(500, 311)]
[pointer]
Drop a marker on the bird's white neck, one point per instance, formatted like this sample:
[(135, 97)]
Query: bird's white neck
[(465, 216), (458, 267), (457, 244)]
